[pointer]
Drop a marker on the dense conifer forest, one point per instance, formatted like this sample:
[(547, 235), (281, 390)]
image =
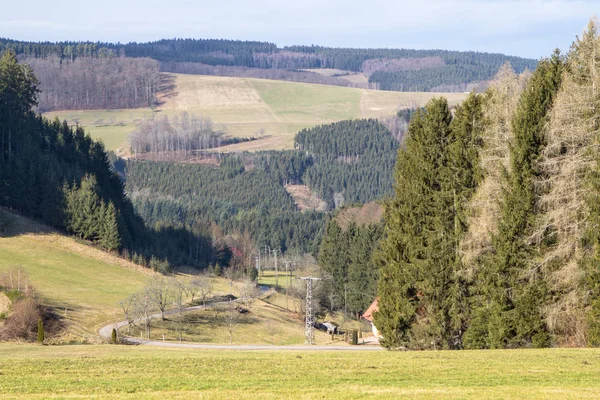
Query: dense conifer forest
[(491, 238), (343, 163)]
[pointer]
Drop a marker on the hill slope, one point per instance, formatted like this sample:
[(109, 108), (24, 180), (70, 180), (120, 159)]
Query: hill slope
[(242, 107), (66, 274)]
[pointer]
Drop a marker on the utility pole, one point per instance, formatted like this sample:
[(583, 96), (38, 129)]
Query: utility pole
[(276, 271), (309, 331), (345, 300), (287, 284)]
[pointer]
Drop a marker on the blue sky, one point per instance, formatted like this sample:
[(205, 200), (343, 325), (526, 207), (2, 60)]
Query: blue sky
[(524, 28)]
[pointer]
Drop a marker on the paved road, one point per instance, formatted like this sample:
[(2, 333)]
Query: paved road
[(106, 332)]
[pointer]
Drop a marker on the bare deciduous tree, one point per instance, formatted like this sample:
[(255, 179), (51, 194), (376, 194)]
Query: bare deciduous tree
[(159, 293), (232, 317), (249, 292)]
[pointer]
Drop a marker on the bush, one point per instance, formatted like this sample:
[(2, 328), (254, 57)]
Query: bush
[(23, 322), (253, 275), (113, 336)]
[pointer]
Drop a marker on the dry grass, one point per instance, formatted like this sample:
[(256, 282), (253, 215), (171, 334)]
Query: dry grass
[(4, 303)]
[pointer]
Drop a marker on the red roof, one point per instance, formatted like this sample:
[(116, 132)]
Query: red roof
[(368, 314)]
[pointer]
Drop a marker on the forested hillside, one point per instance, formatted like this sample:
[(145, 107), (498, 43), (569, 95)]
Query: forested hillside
[(229, 196), (60, 176), (386, 69), (343, 163), (491, 238)]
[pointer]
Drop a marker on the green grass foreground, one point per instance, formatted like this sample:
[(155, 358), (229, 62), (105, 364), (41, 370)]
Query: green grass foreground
[(122, 372)]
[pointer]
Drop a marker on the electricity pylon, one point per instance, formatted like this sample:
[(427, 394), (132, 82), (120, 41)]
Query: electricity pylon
[(309, 332)]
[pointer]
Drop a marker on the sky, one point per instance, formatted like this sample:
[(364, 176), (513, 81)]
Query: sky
[(523, 28)]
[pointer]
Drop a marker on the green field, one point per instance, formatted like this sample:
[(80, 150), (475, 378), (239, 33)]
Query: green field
[(244, 106), (128, 372), (65, 274)]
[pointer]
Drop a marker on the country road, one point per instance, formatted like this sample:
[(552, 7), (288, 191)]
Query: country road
[(106, 331)]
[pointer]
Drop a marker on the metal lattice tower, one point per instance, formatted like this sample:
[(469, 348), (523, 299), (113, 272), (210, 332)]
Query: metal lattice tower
[(309, 332)]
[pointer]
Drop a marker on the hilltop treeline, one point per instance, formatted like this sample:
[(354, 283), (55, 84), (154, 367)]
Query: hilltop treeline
[(60, 176), (387, 69), (491, 240)]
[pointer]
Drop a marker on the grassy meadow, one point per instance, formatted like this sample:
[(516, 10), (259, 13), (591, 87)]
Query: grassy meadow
[(142, 372), (83, 284), (242, 107), (264, 323)]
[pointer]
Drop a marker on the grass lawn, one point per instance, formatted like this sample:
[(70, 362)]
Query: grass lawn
[(243, 106), (128, 372)]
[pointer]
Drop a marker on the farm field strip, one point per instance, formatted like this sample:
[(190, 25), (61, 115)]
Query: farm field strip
[(243, 107)]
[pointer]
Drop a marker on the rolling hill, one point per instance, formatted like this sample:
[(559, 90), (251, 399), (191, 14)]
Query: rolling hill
[(272, 111), (82, 284)]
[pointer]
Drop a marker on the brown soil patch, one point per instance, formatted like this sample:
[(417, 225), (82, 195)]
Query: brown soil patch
[(305, 199)]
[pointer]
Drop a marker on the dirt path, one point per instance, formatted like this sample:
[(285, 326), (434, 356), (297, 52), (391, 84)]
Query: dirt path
[(106, 332)]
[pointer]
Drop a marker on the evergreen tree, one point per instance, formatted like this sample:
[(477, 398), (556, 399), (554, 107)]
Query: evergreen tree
[(513, 292), (40, 332), (109, 238), (18, 91), (423, 302)]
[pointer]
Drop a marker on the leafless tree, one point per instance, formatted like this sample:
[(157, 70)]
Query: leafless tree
[(159, 292), (182, 134), (128, 306), (201, 286), (249, 292), (95, 82), (142, 311), (232, 317)]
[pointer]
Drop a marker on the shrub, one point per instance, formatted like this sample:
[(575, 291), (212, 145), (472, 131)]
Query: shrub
[(354, 337), (113, 336)]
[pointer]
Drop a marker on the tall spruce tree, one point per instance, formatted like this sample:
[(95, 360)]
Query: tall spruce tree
[(18, 92), (109, 236), (421, 299), (512, 289)]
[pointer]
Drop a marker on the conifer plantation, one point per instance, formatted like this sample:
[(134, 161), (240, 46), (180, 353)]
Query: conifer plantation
[(491, 239)]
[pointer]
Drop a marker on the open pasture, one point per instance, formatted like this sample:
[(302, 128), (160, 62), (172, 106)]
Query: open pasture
[(141, 372), (270, 110)]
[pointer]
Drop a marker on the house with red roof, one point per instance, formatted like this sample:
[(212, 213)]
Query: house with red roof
[(368, 315)]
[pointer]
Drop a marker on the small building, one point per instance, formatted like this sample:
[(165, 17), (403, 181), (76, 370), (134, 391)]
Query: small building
[(368, 315)]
